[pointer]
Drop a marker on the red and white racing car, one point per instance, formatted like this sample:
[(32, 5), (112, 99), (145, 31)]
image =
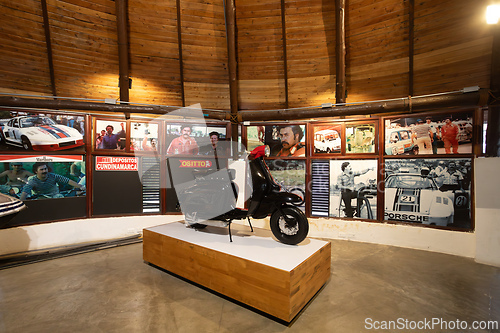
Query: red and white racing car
[(40, 133)]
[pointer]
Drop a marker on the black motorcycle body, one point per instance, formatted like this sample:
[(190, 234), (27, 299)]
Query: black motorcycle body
[(212, 198)]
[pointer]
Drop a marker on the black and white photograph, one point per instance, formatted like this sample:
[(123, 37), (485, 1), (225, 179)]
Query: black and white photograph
[(353, 189), (429, 191), (41, 132), (291, 176), (284, 140), (449, 133)]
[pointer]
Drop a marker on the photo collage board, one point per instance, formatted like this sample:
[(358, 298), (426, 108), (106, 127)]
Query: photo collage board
[(42, 155), (366, 168), (419, 173)]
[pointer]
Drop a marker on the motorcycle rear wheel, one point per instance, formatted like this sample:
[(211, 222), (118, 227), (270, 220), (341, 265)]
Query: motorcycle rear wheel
[(290, 228)]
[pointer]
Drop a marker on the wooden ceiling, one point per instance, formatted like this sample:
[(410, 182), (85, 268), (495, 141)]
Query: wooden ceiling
[(285, 50)]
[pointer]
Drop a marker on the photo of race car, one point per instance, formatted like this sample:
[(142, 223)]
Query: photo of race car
[(39, 133), (400, 141), (411, 197), (428, 191)]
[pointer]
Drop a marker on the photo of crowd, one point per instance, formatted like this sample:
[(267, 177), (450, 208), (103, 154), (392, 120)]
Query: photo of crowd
[(429, 135)]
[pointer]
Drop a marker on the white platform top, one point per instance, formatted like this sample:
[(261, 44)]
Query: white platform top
[(258, 246)]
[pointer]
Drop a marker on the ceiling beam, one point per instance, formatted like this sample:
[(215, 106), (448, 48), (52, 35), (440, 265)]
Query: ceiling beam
[(406, 105), (493, 130), (285, 56), (48, 43), (179, 47), (66, 104), (230, 22), (123, 49), (411, 46), (340, 64)]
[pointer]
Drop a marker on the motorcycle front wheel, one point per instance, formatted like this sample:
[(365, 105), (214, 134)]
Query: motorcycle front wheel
[(289, 225)]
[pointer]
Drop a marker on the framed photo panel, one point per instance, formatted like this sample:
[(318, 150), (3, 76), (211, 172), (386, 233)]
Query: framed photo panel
[(327, 139), (284, 140), (449, 133), (144, 136), (291, 176), (196, 139), (429, 191), (360, 138), (42, 177), (353, 189), (42, 132), (110, 134)]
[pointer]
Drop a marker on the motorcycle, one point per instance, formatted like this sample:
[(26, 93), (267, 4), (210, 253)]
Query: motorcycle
[(211, 200)]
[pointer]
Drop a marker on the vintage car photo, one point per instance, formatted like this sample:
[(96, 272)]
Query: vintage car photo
[(40, 133), (327, 139), (428, 191), (429, 134), (399, 141), (360, 138)]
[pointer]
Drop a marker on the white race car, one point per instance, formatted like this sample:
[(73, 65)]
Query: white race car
[(411, 197), (40, 133)]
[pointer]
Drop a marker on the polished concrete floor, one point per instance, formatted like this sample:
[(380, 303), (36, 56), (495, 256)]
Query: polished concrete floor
[(113, 290)]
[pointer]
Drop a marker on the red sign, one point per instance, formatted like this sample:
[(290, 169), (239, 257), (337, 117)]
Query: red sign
[(195, 164), (107, 163)]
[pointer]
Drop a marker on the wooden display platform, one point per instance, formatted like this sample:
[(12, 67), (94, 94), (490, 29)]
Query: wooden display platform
[(254, 269)]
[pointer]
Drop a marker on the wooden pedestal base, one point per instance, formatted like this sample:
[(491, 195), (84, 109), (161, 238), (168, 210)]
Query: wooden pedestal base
[(254, 269)]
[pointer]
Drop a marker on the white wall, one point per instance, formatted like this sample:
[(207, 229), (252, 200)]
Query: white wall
[(50, 235), (487, 186), (415, 237), (483, 244)]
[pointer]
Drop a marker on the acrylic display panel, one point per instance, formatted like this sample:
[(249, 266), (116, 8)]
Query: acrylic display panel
[(196, 141)]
